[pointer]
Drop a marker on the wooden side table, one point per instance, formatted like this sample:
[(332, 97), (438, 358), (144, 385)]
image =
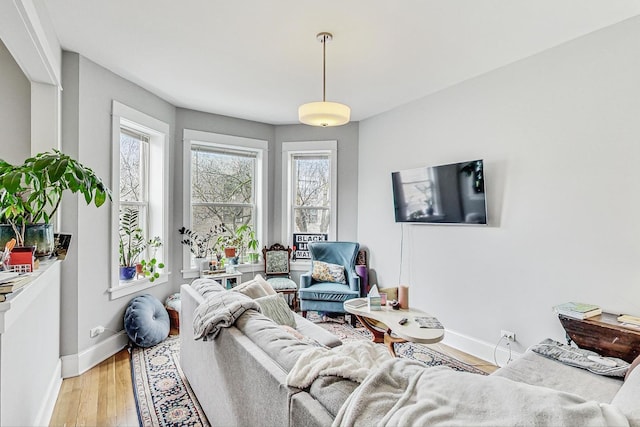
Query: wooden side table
[(604, 335)]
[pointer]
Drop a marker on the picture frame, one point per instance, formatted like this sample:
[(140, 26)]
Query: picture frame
[(62, 242)]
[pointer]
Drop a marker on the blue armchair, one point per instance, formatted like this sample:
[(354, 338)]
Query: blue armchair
[(322, 293)]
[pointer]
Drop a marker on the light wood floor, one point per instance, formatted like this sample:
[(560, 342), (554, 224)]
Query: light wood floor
[(103, 396)]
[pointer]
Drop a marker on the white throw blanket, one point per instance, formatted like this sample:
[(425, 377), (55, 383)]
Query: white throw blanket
[(406, 393), (352, 360), (220, 310)]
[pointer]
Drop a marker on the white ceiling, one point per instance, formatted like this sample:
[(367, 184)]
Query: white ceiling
[(259, 59)]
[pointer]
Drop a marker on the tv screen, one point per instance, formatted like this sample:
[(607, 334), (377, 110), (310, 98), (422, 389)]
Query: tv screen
[(447, 194)]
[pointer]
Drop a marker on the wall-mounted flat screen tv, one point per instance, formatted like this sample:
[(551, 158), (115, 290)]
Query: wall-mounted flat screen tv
[(446, 194)]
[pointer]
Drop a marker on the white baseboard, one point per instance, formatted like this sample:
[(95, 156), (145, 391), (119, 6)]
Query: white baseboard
[(43, 417), (76, 364), (480, 349)]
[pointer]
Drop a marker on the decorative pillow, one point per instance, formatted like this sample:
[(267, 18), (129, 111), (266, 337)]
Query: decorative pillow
[(146, 321), (277, 309), (301, 337), (252, 289), (326, 272), (265, 285)]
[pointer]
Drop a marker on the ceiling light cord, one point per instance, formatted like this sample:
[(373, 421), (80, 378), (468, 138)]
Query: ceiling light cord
[(324, 67)]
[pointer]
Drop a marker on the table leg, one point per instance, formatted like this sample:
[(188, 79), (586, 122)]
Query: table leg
[(389, 341), (378, 335)]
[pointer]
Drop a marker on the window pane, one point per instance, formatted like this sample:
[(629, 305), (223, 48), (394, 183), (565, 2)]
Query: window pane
[(311, 181), (205, 217), (131, 168), (218, 177), (311, 220)]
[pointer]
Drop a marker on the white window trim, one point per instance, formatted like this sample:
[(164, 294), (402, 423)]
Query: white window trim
[(158, 132), (290, 149), (217, 140)]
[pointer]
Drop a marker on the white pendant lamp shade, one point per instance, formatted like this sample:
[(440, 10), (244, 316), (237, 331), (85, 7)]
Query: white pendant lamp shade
[(324, 114)]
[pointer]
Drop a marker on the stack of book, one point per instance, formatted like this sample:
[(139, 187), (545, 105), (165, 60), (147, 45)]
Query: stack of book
[(11, 282), (577, 310), (631, 322)]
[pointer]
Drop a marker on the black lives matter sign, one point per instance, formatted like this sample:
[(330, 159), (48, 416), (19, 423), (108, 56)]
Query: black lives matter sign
[(300, 241)]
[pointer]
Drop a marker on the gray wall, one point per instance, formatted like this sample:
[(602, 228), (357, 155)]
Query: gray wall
[(15, 110), (559, 133), (86, 134), (347, 137)]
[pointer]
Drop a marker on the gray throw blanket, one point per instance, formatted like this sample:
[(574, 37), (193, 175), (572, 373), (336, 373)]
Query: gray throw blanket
[(220, 310), (406, 393)]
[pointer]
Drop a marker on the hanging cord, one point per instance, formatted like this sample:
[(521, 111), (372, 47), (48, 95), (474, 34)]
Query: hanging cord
[(401, 252), (324, 67), (495, 360)]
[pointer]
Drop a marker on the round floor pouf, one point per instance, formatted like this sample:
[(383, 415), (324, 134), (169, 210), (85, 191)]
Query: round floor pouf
[(146, 321)]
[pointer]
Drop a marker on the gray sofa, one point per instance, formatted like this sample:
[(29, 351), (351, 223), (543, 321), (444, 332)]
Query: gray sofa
[(240, 377)]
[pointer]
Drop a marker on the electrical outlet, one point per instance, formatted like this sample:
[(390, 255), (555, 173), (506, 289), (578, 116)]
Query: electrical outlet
[(511, 336), (94, 332)]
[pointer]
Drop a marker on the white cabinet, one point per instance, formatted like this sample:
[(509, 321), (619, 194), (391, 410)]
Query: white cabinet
[(30, 369)]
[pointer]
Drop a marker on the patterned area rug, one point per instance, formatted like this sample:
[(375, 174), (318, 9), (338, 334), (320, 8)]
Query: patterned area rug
[(163, 395), (164, 398), (421, 353)]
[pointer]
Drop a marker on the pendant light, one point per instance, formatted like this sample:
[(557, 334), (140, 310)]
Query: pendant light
[(323, 113)]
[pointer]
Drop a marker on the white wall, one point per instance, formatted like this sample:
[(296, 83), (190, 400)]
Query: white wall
[(560, 136), (15, 109)]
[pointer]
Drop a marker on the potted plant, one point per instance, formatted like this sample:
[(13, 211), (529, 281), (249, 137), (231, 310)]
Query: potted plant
[(31, 194), (248, 242), (131, 243), (201, 245), (150, 268)]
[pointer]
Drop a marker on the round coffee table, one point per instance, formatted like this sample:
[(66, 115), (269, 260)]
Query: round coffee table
[(410, 331)]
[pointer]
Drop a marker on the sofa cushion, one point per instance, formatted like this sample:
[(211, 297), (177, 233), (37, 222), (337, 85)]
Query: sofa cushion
[(328, 291), (633, 366), (281, 346), (531, 368), (327, 272), (626, 400), (332, 392), (276, 309)]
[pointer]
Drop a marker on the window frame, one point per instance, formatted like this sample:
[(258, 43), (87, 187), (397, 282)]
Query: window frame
[(289, 151), (233, 143), (157, 184)]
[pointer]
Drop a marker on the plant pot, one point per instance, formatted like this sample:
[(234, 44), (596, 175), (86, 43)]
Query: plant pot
[(127, 273), (229, 252), (38, 235)]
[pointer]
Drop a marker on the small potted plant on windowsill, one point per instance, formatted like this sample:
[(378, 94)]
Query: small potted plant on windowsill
[(248, 243), (131, 243), (201, 245)]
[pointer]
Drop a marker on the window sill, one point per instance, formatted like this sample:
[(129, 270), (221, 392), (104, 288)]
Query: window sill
[(129, 287)]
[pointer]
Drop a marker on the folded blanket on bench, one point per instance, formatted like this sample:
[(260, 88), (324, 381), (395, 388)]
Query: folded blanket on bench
[(581, 358), (220, 310)]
